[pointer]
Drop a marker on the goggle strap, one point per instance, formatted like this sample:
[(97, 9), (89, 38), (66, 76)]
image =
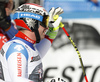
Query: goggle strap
[(37, 32), (18, 15)]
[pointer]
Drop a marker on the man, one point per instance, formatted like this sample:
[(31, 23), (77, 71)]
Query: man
[(20, 57), (7, 29)]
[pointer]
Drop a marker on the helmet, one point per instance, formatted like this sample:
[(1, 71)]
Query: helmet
[(29, 16)]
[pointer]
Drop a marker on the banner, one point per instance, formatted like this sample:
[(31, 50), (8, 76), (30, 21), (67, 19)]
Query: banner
[(75, 9), (62, 61)]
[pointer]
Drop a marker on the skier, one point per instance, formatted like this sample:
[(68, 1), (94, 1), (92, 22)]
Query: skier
[(20, 59)]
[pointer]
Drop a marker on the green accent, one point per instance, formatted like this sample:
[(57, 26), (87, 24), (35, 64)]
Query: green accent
[(51, 34)]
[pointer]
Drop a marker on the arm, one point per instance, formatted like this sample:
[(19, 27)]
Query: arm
[(45, 44), (43, 47), (17, 60), (12, 31)]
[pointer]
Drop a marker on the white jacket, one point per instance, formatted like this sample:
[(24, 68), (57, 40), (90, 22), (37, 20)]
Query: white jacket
[(21, 60)]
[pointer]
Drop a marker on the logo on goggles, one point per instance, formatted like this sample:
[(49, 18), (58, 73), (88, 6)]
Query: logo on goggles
[(30, 15), (27, 15)]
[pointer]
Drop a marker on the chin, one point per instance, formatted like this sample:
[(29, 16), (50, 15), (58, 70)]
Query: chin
[(42, 38)]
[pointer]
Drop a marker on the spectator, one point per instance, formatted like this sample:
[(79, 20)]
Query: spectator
[(7, 30)]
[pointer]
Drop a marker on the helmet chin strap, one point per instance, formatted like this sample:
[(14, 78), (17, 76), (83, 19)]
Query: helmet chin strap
[(37, 36), (36, 31)]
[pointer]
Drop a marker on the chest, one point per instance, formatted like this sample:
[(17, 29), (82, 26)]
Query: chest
[(34, 62), (35, 68)]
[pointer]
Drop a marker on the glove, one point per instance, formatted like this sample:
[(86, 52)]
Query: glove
[(54, 23)]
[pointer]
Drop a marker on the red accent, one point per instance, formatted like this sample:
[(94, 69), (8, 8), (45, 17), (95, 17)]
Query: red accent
[(86, 79), (34, 4), (21, 23), (3, 38), (31, 58), (23, 36), (68, 35), (19, 64), (65, 31), (51, 40)]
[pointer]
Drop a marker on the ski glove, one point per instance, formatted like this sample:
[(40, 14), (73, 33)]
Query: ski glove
[(54, 23)]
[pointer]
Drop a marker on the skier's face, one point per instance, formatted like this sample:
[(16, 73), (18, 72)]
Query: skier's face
[(42, 32)]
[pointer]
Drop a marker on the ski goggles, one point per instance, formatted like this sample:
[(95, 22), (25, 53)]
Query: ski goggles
[(44, 20)]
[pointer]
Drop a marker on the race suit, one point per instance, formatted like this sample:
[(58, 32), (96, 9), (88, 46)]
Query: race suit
[(3, 38), (20, 59)]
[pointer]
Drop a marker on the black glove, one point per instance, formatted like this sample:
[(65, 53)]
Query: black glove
[(5, 21)]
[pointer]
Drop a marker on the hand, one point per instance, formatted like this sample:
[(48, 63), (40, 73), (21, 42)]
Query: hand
[(54, 23)]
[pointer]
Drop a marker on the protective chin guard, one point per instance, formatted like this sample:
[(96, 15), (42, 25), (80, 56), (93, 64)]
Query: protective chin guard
[(36, 31)]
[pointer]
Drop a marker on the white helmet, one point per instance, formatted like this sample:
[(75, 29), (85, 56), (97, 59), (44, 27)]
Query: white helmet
[(29, 16)]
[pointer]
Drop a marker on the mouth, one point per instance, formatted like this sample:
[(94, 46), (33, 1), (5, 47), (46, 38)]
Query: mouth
[(45, 31)]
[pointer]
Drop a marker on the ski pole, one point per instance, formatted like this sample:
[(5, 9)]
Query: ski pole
[(79, 55)]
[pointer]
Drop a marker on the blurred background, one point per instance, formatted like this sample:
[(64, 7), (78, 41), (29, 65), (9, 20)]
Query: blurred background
[(82, 21)]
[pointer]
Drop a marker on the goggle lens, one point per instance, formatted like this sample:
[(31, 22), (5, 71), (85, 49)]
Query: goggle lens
[(45, 21)]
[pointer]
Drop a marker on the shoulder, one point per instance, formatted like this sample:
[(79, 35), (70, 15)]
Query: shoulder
[(16, 48)]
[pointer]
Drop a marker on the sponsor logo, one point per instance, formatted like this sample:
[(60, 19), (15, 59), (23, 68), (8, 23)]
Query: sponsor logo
[(19, 65), (37, 73), (31, 15), (3, 39), (40, 71), (27, 8), (36, 58), (2, 52), (29, 40), (18, 47)]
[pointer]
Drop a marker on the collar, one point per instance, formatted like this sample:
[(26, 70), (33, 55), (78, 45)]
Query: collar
[(23, 36)]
